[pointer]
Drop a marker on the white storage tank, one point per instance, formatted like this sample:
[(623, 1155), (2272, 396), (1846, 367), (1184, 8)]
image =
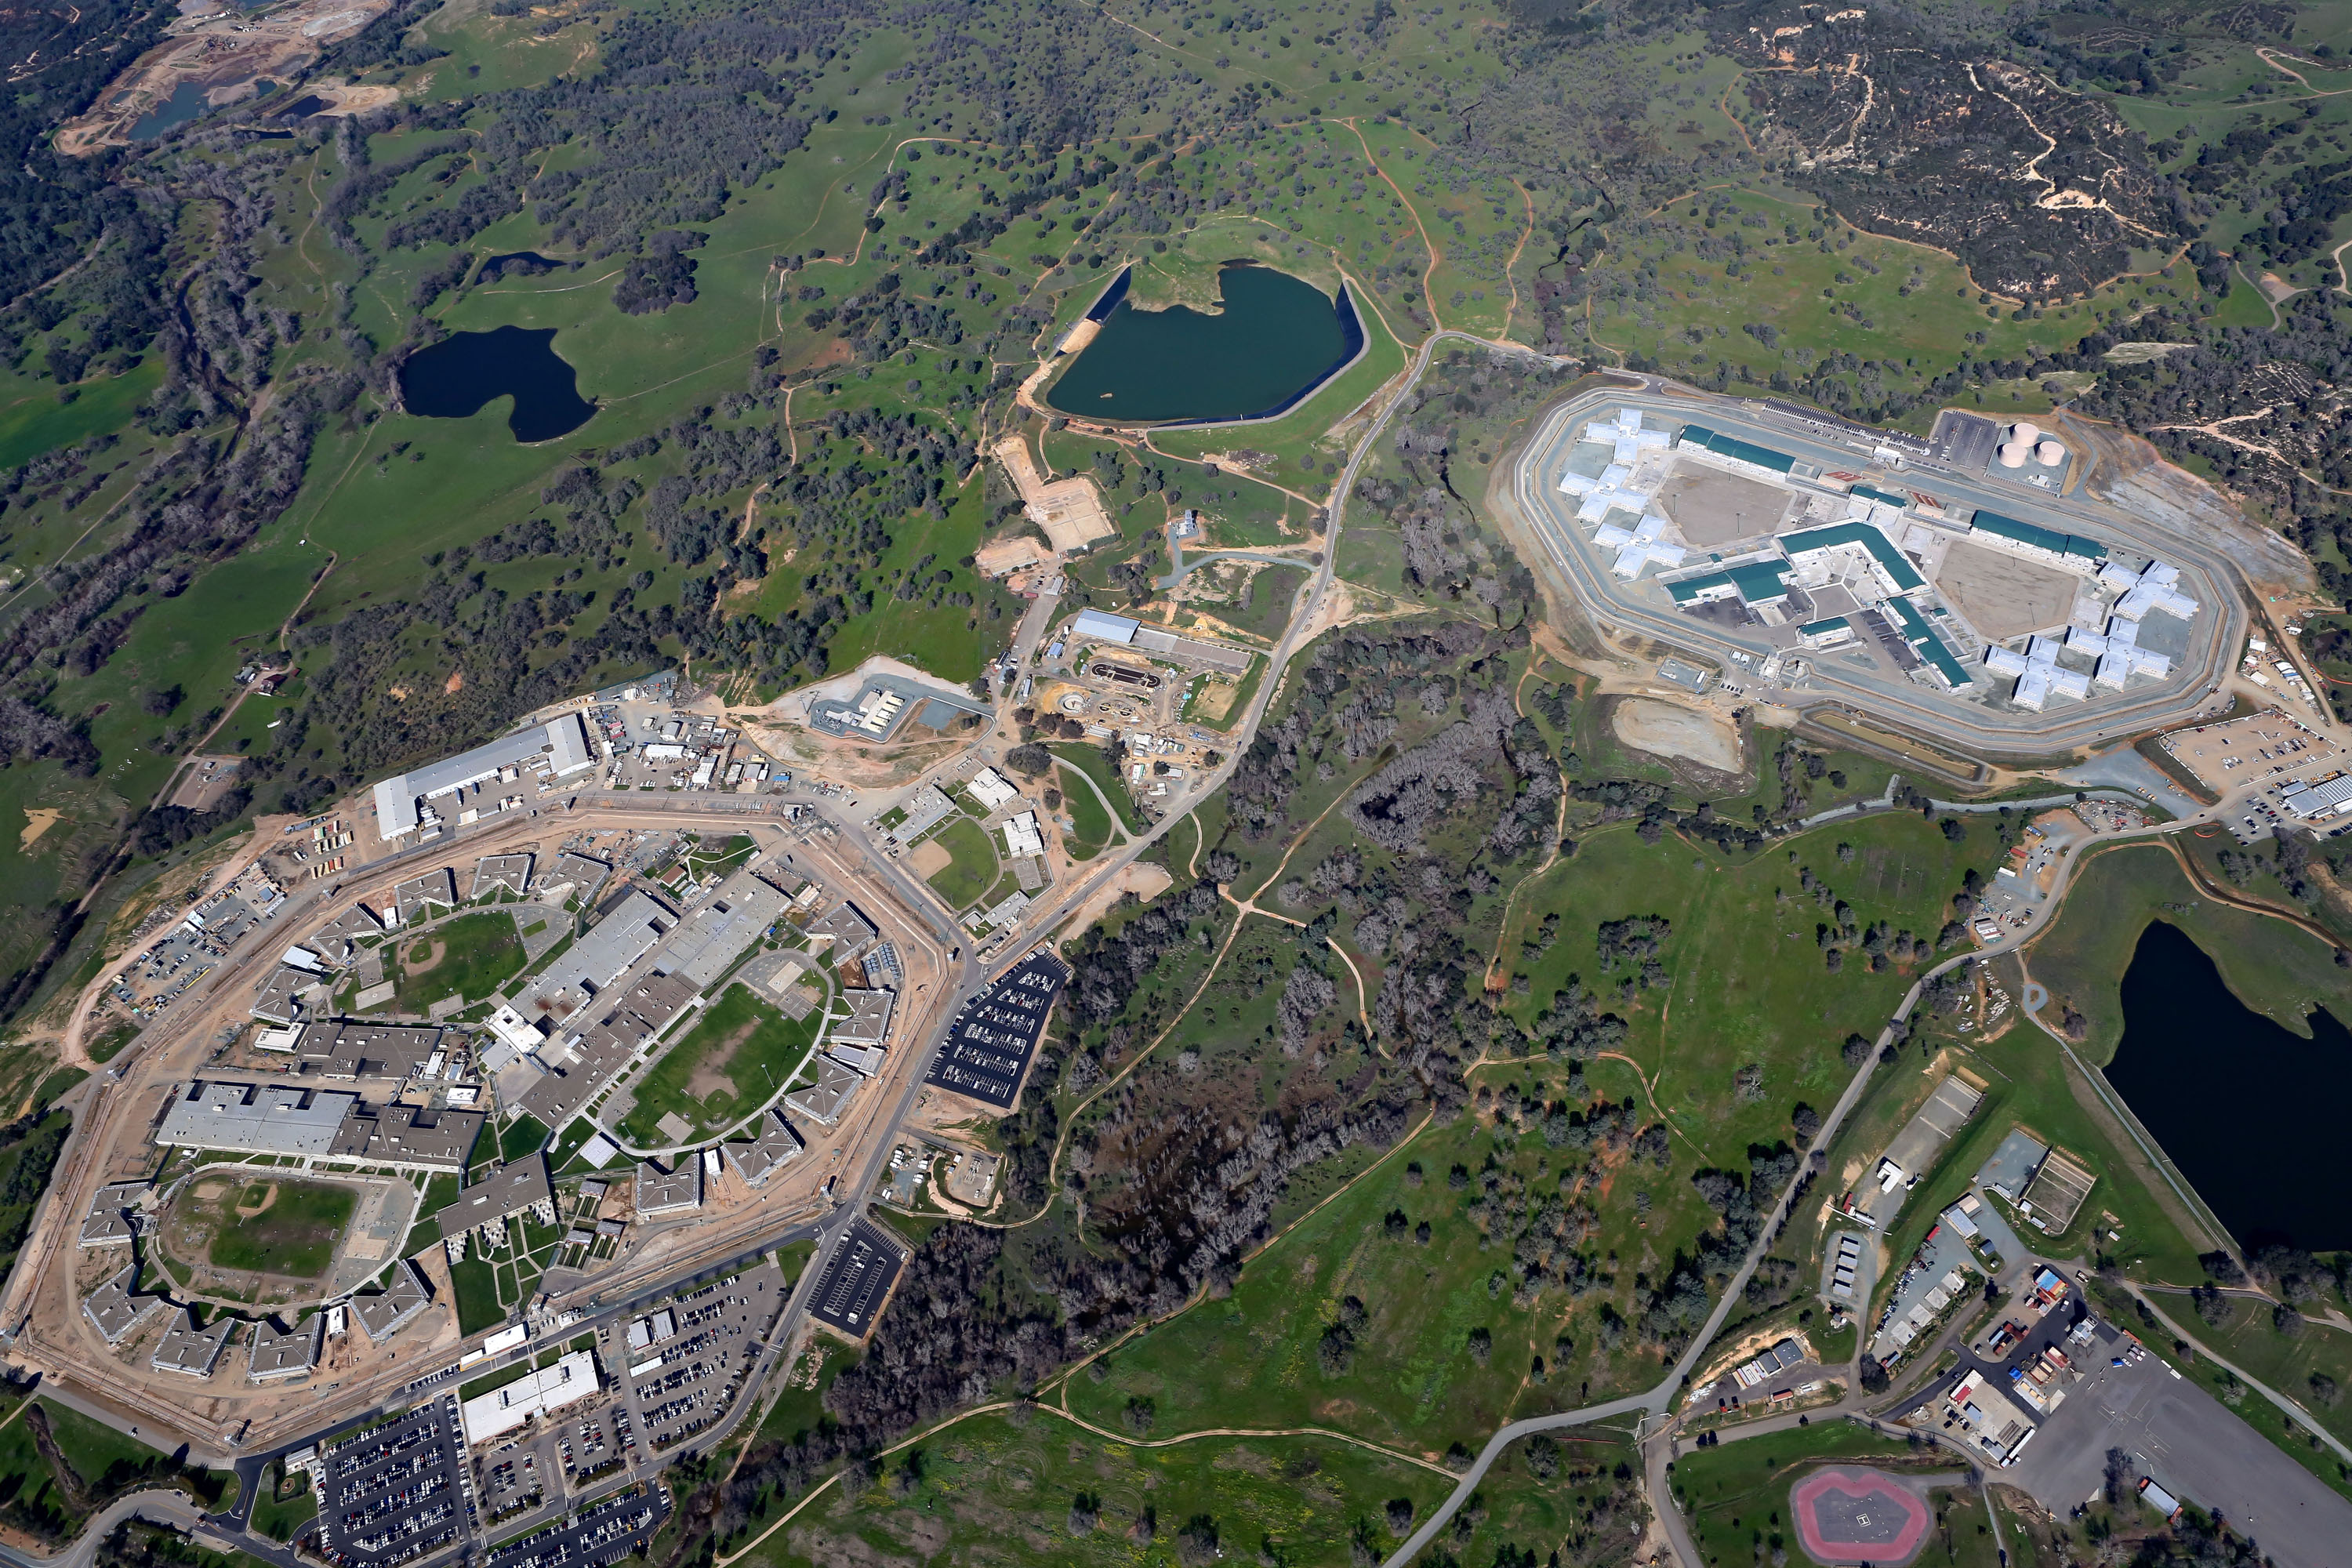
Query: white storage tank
[(2050, 454), (2012, 454), (2025, 433)]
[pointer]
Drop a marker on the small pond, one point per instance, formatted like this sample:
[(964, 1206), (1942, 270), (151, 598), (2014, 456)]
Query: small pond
[(1273, 340), (460, 376), (186, 102), (2250, 1111)]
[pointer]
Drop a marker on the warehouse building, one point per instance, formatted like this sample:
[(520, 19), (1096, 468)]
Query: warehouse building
[(549, 751)]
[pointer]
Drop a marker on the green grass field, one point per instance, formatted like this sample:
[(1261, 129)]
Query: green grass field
[(973, 865), (1088, 760), (279, 1520), (1090, 827), (2270, 966), (523, 1135), (1737, 1495), (294, 1235), (736, 1058), (470, 956), (477, 1295)]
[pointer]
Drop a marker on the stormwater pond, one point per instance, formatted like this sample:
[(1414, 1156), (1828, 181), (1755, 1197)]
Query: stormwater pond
[(458, 376), (186, 102), (2250, 1111), (1273, 340)]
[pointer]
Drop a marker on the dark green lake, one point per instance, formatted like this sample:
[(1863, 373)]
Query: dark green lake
[(462, 374), (2201, 1069), (1273, 340)]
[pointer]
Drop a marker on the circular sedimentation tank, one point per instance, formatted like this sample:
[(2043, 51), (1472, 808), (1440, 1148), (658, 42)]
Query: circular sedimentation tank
[(2012, 454), (2050, 454)]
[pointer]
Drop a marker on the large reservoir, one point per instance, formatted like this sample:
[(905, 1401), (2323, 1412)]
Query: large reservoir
[(1273, 338), (2250, 1111)]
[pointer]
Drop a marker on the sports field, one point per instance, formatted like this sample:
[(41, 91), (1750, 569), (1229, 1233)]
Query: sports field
[(734, 1059), (262, 1226), (470, 956)]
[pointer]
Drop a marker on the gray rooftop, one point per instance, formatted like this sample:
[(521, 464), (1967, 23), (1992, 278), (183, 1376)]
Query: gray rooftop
[(613, 943), (846, 925), (114, 1310), (285, 1353), (109, 1222), (509, 1192), (511, 872), (351, 1049), (408, 1135), (290, 996), (759, 1158), (411, 899), (826, 1099), (711, 937), (187, 1347), (2013, 1165), (868, 1022), (384, 1315), (661, 1192), (254, 1118)]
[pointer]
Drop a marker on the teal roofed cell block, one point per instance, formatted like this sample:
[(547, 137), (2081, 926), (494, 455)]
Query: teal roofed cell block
[(1752, 581), (2041, 538), (1898, 569), (1883, 497), (1921, 636)]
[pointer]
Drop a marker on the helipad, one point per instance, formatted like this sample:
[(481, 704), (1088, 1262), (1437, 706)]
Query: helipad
[(1858, 1516)]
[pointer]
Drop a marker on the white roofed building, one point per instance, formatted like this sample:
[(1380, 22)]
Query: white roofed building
[(551, 751), (500, 1411)]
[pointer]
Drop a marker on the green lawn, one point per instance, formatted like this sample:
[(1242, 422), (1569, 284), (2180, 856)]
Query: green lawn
[(741, 1039), (2286, 1362), (477, 954), (294, 1235), (1090, 827), (1736, 1496), (523, 1136), (477, 1295), (279, 1521), (972, 867), (1089, 760)]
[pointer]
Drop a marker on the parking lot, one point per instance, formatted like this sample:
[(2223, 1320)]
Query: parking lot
[(676, 1368), (603, 1532), (989, 1045), (397, 1493)]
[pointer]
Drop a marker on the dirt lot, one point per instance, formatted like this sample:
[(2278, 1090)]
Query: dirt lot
[(928, 858), (2003, 596), (1069, 511), (1713, 507), (1664, 729)]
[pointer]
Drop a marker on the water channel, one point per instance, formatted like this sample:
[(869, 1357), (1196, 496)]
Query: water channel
[(2249, 1111), (1273, 340), (460, 376)]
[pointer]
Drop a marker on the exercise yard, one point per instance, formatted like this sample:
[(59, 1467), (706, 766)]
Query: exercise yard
[(2003, 596), (1713, 507), (470, 956), (266, 1227), (734, 1060)]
